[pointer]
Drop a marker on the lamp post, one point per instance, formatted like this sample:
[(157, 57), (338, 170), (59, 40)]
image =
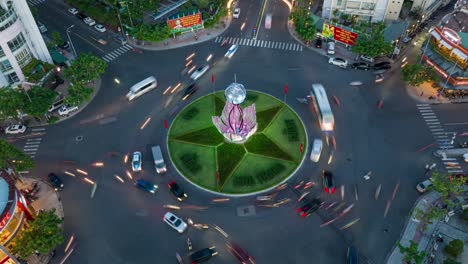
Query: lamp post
[(69, 39)]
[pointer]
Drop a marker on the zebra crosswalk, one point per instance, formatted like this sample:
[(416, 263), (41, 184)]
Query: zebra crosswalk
[(116, 53), (32, 144), (269, 44), (35, 2)]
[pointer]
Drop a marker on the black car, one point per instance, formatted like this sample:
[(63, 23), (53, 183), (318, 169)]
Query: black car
[(382, 67), (382, 63), (328, 182), (81, 16), (55, 182), (64, 45), (318, 43), (203, 255), (192, 88), (360, 66), (310, 207), (177, 191), (352, 255)]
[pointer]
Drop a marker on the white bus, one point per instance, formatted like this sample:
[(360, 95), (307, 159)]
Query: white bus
[(142, 87), (322, 107)]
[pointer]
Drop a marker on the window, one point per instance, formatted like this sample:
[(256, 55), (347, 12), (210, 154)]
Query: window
[(5, 66), (12, 78), (23, 57), (2, 54), (339, 2), (17, 42)]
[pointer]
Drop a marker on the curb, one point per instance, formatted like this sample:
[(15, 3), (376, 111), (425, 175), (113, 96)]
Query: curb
[(211, 35), (436, 101)]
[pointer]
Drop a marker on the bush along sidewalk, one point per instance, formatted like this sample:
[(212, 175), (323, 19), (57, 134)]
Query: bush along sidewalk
[(304, 24)]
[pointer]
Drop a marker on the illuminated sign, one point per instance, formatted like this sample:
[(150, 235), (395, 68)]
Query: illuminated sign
[(451, 35), (5, 220), (339, 34), (185, 23)]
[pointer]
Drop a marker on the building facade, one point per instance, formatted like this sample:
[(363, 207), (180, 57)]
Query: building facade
[(446, 50), (20, 41), (369, 10), (427, 7)]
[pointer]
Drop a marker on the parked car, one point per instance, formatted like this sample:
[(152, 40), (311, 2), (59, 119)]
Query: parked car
[(338, 62), (316, 150), (55, 182), (310, 207), (318, 43), (89, 21), (67, 109), (175, 222), (72, 11), (422, 187), (136, 161), (366, 58), (199, 72), (236, 13), (191, 89), (380, 64), (328, 182), (231, 51), (240, 254), (15, 129), (177, 191), (56, 105), (119, 39), (64, 45), (331, 48), (360, 66), (203, 255), (382, 67), (146, 186), (100, 28), (81, 16)]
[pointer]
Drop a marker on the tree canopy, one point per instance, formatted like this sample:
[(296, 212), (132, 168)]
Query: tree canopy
[(371, 42), (10, 155), (42, 234), (305, 24), (41, 100), (78, 94), (416, 74), (85, 68), (11, 100), (447, 186), (411, 252)]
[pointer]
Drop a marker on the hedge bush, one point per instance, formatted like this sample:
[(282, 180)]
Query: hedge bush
[(191, 162), (229, 155), (190, 113), (260, 144), (264, 117), (454, 248), (269, 174), (291, 130), (208, 136), (243, 181)]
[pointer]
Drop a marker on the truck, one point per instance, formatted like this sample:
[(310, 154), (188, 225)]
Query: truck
[(158, 159)]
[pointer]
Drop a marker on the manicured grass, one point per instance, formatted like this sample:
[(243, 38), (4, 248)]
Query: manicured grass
[(229, 155), (249, 170), (260, 144), (262, 102), (265, 117), (201, 120), (209, 136), (278, 132), (219, 105), (206, 158)]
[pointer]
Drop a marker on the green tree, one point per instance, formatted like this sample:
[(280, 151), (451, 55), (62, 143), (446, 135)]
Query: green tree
[(454, 248), (305, 25), (416, 74), (465, 214), (434, 213), (11, 157), (411, 252), (447, 186), (155, 32), (11, 100), (85, 68), (78, 94), (451, 261), (57, 38), (41, 100), (42, 234), (371, 42)]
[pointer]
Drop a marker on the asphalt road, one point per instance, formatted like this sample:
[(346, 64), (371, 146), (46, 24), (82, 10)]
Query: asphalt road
[(123, 225)]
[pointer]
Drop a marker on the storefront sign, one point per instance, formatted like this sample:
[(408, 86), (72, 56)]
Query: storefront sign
[(185, 23), (339, 34), (5, 220), (451, 35)]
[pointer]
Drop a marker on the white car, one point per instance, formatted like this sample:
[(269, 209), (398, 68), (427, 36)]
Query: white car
[(231, 51), (100, 28), (268, 19), (199, 72), (72, 10), (16, 129), (316, 150), (136, 161), (175, 222), (89, 21), (338, 62), (236, 13), (67, 109), (422, 187)]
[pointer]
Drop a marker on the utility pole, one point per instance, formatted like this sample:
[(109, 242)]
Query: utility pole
[(69, 39)]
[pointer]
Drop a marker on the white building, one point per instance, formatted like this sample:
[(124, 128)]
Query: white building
[(20, 41), (373, 10)]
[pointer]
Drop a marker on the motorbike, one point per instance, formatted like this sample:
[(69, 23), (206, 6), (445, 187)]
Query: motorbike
[(189, 244), (463, 145)]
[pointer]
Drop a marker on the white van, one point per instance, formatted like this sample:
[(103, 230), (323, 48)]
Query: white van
[(158, 159), (142, 87), (316, 150), (331, 48)]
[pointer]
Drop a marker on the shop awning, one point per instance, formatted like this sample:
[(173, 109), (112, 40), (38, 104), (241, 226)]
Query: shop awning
[(445, 43), (57, 57), (435, 35), (460, 54)]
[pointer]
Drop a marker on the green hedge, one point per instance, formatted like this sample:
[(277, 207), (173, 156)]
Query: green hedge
[(264, 117), (243, 181), (229, 155), (269, 174), (97, 11), (190, 113), (208, 136), (191, 162), (260, 144), (291, 130)]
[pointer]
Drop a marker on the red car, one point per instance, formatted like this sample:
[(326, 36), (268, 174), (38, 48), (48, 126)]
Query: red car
[(310, 207), (328, 182), (240, 254)]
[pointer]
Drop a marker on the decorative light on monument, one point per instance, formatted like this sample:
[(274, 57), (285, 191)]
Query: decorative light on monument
[(235, 124)]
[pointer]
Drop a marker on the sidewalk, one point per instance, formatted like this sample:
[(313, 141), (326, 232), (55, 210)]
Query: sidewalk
[(425, 91), (48, 199), (186, 39)]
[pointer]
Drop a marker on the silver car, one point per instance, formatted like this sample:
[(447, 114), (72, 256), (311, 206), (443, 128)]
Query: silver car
[(175, 222), (199, 72), (16, 129)]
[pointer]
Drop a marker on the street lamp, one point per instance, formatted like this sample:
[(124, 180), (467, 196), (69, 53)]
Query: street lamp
[(69, 39)]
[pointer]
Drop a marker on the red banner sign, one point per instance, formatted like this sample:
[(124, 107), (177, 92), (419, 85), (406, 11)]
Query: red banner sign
[(185, 22), (339, 34)]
